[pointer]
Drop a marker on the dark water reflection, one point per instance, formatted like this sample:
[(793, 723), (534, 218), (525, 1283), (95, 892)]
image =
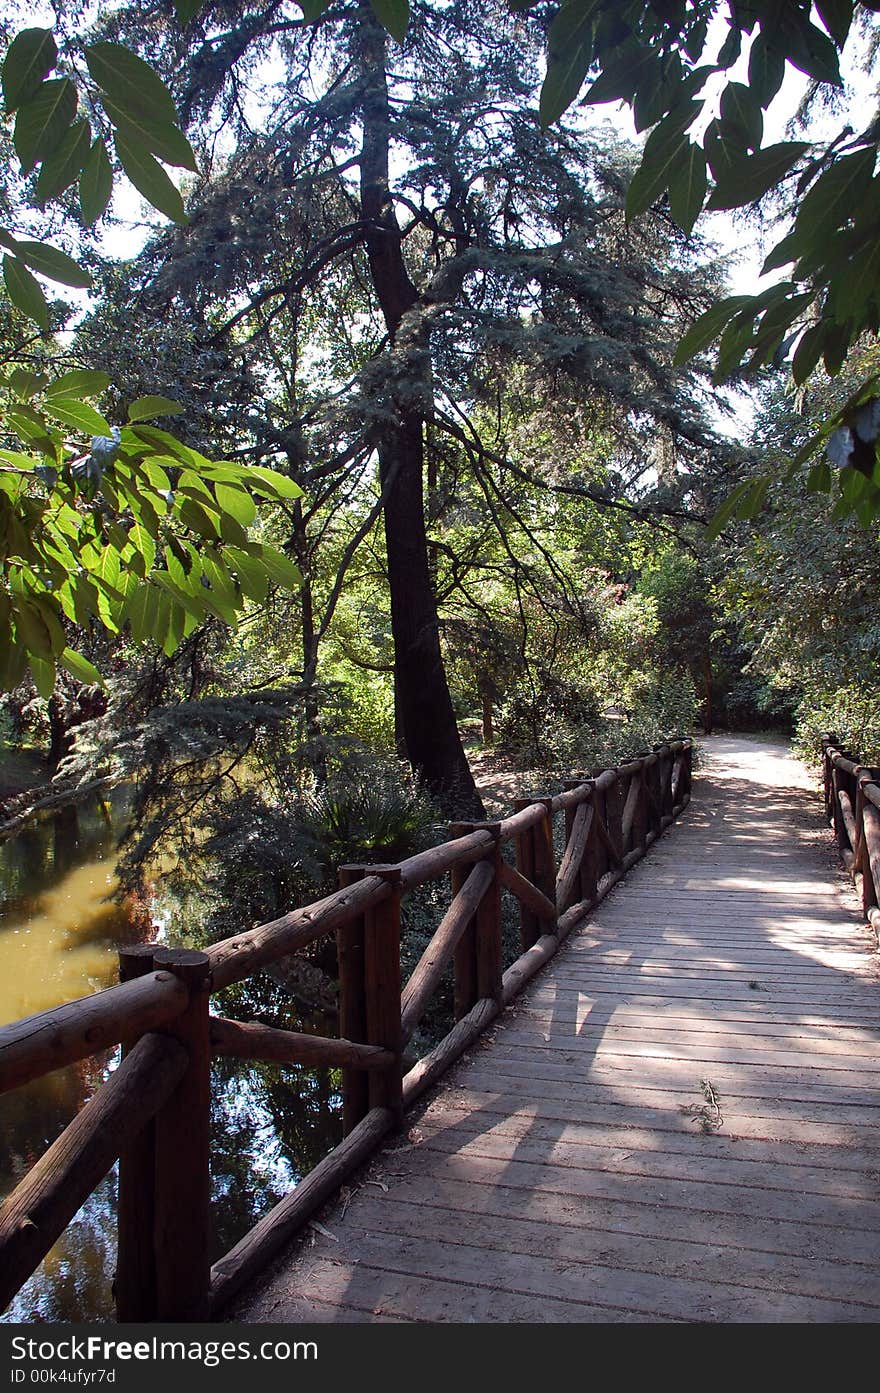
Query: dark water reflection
[(58, 940)]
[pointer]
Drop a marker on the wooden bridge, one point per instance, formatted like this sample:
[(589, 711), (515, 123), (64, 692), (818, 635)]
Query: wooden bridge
[(676, 1121)]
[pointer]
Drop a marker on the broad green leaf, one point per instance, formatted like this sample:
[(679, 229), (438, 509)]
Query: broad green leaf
[(79, 382), (766, 70), (141, 610), (808, 352), (393, 15), (653, 176), (754, 175), (236, 502), (836, 15), (280, 568), (819, 479), (252, 576), (25, 292), (54, 264), (570, 53), (63, 167), (313, 9), (43, 673), (95, 184), (147, 407), (707, 328), (31, 56), (42, 121), (31, 625), (687, 188), (851, 292), (25, 384), (128, 80), (160, 138), (741, 116), (812, 51), (77, 414), (150, 179), (835, 194), (80, 667), (280, 484), (728, 508), (187, 10)]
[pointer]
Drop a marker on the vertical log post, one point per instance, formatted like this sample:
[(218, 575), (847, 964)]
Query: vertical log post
[(545, 853), (382, 984), (864, 775), (352, 1005), (584, 892), (529, 924), (464, 962), (183, 1179), (640, 821), (134, 1286), (489, 958)]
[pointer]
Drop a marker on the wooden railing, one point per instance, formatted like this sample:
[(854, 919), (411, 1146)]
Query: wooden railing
[(152, 1115), (852, 806)]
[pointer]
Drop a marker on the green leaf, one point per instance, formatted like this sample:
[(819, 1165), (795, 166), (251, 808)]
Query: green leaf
[(62, 168), (186, 10), (812, 51), (707, 328), (834, 196), (54, 264), (79, 382), (653, 176), (252, 576), (730, 505), (128, 80), (236, 502), (313, 9), (853, 289), (836, 15), (80, 667), (24, 291), (753, 175), (766, 70), (808, 352), (76, 414), (570, 53), (145, 408), (43, 673), (741, 116), (161, 138), (687, 188), (393, 15), (279, 484), (150, 179), (279, 567), (31, 56), (819, 479), (43, 121), (95, 184)]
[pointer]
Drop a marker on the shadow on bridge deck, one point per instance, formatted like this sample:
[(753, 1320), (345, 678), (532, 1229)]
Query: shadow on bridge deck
[(678, 1121)]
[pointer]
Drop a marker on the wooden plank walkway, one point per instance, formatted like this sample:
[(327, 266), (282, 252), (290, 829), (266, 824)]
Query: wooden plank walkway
[(573, 1168)]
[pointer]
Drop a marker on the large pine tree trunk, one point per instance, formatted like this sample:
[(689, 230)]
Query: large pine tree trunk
[(425, 716)]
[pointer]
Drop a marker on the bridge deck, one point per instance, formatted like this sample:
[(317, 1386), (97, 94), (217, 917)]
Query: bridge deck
[(563, 1173)]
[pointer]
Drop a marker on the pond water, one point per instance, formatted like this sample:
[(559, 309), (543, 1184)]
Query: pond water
[(59, 933)]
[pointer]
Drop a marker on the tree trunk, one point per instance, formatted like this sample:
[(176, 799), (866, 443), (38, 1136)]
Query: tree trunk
[(425, 716)]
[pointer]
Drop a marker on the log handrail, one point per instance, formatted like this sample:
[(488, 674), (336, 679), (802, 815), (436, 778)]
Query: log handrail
[(852, 807), (162, 1137)]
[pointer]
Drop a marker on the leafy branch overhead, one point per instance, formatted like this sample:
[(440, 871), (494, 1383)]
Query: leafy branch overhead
[(135, 528), (705, 151)]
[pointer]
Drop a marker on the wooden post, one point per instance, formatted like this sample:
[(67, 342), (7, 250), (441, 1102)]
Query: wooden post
[(864, 775), (489, 960), (465, 955), (352, 1006), (545, 852), (182, 1234), (134, 1286), (382, 986), (584, 890), (529, 924), (640, 821)]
